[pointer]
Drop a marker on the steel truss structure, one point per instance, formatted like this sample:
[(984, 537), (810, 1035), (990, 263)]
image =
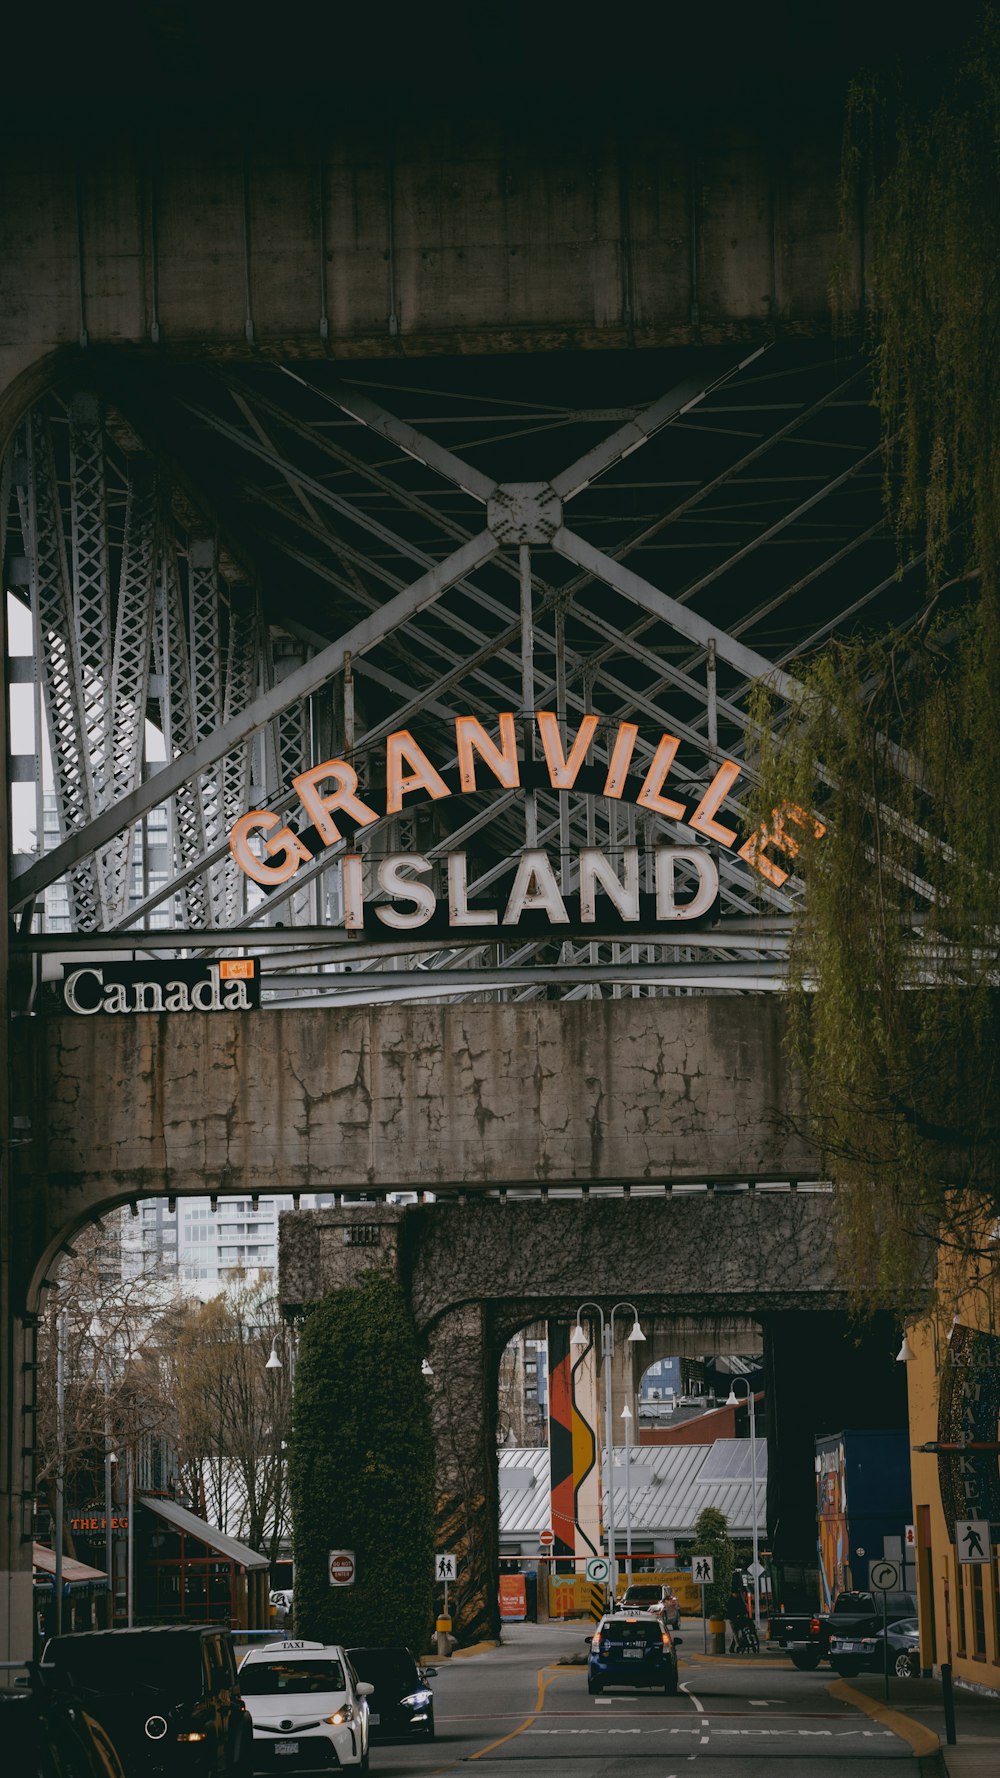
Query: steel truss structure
[(236, 571)]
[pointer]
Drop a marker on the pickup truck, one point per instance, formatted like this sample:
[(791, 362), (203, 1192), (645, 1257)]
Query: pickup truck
[(806, 1637)]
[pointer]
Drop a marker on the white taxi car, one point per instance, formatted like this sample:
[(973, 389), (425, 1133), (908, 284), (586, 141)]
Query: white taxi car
[(309, 1709)]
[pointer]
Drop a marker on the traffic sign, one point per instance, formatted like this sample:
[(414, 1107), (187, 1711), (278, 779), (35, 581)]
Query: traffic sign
[(547, 1538), (883, 1576), (910, 1537), (599, 1570), (445, 1566), (341, 1568), (756, 1570), (703, 1570), (972, 1540)]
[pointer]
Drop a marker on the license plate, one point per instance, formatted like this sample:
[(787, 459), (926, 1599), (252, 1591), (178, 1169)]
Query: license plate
[(850, 1648), (374, 1718), (281, 1747), (633, 1654)]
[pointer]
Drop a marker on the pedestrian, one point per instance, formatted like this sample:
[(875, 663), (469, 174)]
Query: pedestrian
[(737, 1613)]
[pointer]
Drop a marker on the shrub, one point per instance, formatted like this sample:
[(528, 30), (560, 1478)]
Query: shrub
[(361, 1471)]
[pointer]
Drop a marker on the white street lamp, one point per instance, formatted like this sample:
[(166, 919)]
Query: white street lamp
[(426, 1370), (732, 1401), (273, 1362), (579, 1338)]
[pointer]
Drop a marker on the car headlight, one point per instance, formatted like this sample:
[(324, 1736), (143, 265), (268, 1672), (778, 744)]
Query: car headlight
[(193, 1735), (416, 1700), (344, 1714)]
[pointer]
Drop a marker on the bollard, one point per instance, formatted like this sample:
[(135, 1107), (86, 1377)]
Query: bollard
[(948, 1701), (445, 1640)]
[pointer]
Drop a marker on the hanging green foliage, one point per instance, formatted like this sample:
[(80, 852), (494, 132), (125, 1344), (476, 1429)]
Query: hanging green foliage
[(361, 1472), (896, 957)]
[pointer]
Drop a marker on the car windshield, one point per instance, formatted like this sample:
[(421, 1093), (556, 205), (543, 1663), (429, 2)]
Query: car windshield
[(278, 1678), (166, 1663), (635, 1630), (639, 1595), (390, 1667)]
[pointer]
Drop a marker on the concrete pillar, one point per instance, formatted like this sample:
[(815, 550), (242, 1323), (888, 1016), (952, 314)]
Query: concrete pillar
[(822, 1373), (463, 1395)]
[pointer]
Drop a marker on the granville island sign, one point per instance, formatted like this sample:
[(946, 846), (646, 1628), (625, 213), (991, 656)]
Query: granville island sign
[(679, 888), (270, 851)]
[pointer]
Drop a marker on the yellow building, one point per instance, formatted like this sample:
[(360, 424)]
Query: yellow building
[(953, 1381)]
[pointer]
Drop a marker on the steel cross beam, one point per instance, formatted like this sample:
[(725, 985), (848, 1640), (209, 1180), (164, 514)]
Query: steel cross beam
[(578, 476), (211, 748)]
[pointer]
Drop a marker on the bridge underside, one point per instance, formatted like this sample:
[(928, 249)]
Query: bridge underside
[(478, 1272), (311, 445)]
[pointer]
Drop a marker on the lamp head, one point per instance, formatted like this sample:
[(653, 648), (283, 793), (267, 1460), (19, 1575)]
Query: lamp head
[(273, 1362), (578, 1337), (636, 1331)]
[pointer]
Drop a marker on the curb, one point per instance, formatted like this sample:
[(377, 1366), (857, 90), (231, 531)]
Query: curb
[(474, 1648), (922, 1740)]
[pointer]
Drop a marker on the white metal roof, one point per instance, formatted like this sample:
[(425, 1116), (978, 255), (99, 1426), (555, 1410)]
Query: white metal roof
[(208, 1534), (670, 1485)]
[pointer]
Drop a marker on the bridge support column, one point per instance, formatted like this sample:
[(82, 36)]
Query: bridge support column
[(463, 1356), (15, 1520), (822, 1373)]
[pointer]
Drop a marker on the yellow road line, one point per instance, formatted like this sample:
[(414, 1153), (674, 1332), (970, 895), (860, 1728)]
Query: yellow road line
[(543, 1684), (922, 1739)]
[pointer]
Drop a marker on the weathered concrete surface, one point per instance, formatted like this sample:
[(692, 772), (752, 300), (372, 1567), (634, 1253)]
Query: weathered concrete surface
[(716, 1257), (408, 1097), (439, 236)]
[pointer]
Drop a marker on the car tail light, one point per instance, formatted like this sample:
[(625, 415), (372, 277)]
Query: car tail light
[(814, 1625), (666, 1639)]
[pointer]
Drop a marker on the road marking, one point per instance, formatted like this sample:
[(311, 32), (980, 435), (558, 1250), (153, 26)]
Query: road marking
[(922, 1739), (684, 1688), (543, 1684)]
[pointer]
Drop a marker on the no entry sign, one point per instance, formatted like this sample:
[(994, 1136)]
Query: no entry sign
[(341, 1568)]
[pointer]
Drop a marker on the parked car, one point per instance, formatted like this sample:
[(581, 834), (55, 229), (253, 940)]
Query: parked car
[(282, 1607), (634, 1649), (854, 1654), (653, 1596), (807, 1636), (402, 1702), (309, 1708), (168, 1696), (44, 1735)]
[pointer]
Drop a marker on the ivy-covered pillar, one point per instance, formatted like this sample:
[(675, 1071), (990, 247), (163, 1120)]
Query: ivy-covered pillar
[(463, 1398)]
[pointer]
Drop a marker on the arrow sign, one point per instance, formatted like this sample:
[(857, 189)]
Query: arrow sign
[(599, 1570), (883, 1576)]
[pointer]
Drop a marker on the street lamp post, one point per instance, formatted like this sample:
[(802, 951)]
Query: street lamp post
[(579, 1338), (732, 1401), (627, 1417)]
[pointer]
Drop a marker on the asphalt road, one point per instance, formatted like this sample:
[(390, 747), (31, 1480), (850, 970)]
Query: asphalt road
[(521, 1705)]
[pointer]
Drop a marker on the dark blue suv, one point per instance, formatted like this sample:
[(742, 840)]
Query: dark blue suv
[(634, 1649)]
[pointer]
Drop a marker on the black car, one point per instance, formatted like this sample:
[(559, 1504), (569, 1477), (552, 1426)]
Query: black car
[(44, 1735), (167, 1696), (402, 1702), (634, 1649), (866, 1653)]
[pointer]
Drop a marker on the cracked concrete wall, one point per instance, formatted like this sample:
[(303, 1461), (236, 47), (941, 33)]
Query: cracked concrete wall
[(407, 1097)]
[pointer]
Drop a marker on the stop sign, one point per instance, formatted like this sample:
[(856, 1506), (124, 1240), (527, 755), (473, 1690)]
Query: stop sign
[(341, 1568), (546, 1538)]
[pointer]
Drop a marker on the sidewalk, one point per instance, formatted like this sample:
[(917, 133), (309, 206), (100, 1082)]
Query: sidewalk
[(916, 1703)]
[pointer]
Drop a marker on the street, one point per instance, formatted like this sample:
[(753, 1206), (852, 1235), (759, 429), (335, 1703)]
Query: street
[(519, 1703)]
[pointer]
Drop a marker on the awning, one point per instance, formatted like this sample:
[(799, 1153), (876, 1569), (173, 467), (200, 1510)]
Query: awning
[(75, 1574), (192, 1526)]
